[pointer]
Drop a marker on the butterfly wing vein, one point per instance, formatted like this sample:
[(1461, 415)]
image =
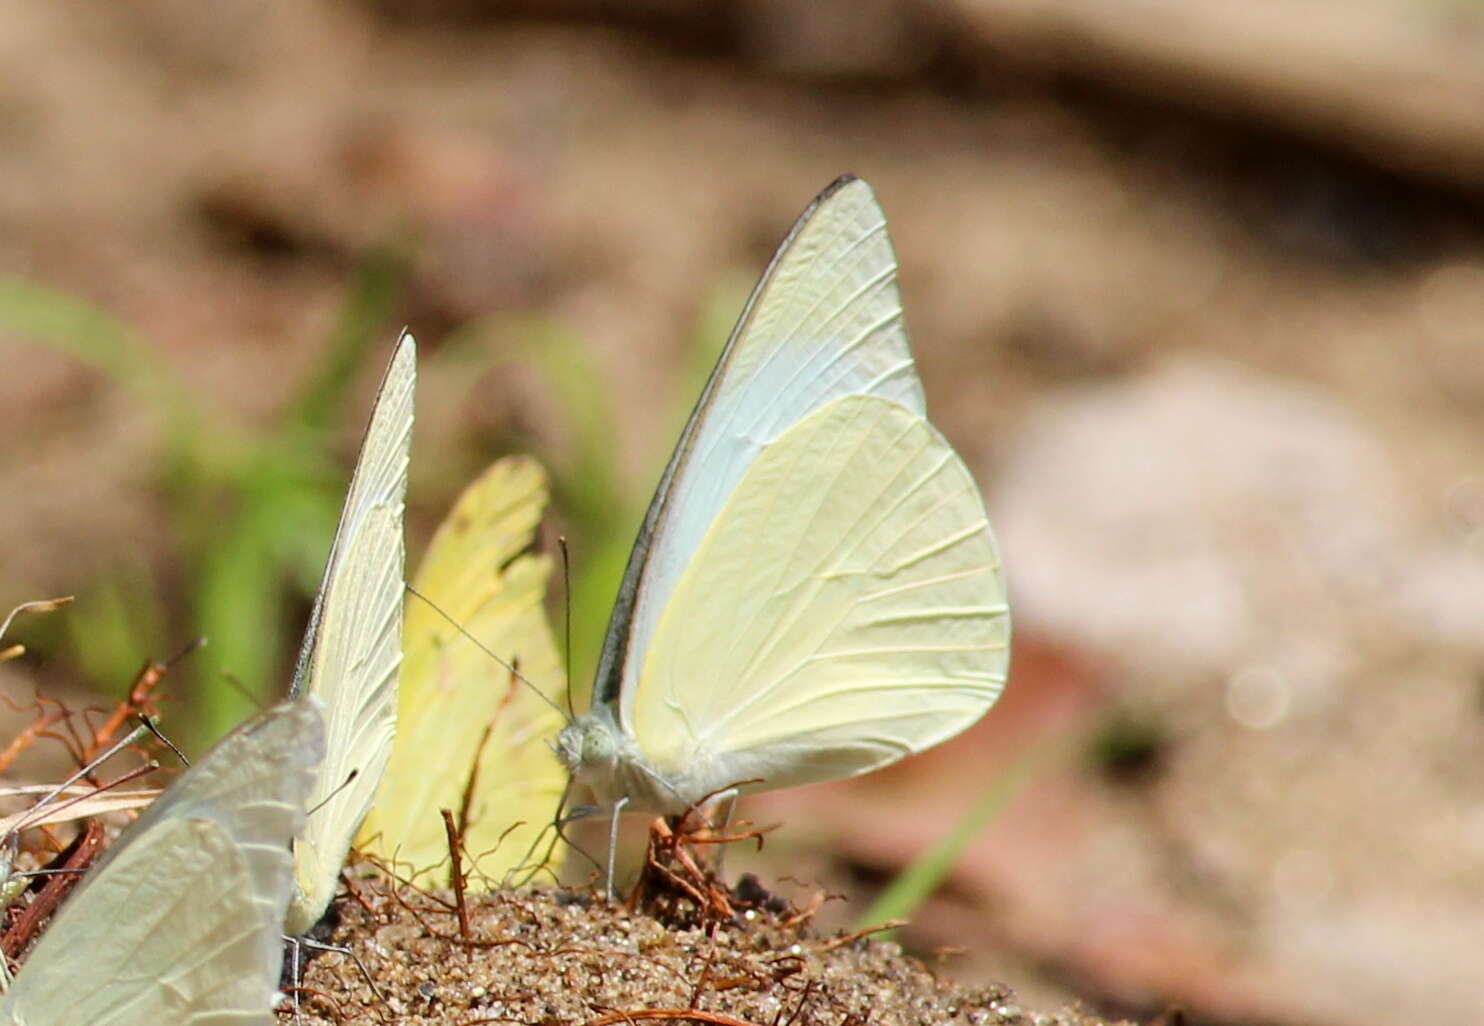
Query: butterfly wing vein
[(862, 616)]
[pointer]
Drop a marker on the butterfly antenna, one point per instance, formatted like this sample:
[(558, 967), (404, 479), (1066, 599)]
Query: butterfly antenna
[(124, 778), (567, 618), (485, 649), (37, 813), (187, 649), (331, 796), (55, 792), (149, 725)]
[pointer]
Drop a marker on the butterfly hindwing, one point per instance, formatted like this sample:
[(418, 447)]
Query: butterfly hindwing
[(181, 920), (833, 620)]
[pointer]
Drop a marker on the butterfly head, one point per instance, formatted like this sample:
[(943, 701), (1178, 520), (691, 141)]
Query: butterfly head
[(602, 758), (590, 744)]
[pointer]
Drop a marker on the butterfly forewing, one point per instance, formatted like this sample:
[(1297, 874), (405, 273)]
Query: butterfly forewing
[(353, 647), (824, 322), (361, 644)]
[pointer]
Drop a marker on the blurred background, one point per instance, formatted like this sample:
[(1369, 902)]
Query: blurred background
[(1197, 289)]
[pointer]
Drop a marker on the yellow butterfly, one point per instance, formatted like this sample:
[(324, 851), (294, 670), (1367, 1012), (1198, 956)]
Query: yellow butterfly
[(465, 724)]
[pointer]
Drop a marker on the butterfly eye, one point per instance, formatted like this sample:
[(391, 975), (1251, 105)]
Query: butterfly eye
[(597, 746)]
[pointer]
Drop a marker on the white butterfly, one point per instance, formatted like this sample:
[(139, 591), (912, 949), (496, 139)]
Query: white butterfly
[(353, 647), (180, 922), (815, 591)]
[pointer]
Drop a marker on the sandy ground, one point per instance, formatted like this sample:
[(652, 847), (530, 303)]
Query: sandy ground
[(1200, 299), (566, 956)]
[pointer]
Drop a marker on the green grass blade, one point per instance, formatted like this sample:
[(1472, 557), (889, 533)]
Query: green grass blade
[(53, 320), (914, 885)]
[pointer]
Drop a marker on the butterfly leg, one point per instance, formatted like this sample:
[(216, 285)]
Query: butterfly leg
[(295, 973), (613, 843), (729, 799), (365, 973)]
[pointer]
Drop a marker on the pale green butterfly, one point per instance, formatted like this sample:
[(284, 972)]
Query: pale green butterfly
[(353, 646), (180, 921), (815, 591)]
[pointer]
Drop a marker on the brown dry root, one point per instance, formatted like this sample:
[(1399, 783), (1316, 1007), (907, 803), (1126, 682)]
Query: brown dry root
[(48, 891), (677, 884), (552, 957), (67, 833)]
